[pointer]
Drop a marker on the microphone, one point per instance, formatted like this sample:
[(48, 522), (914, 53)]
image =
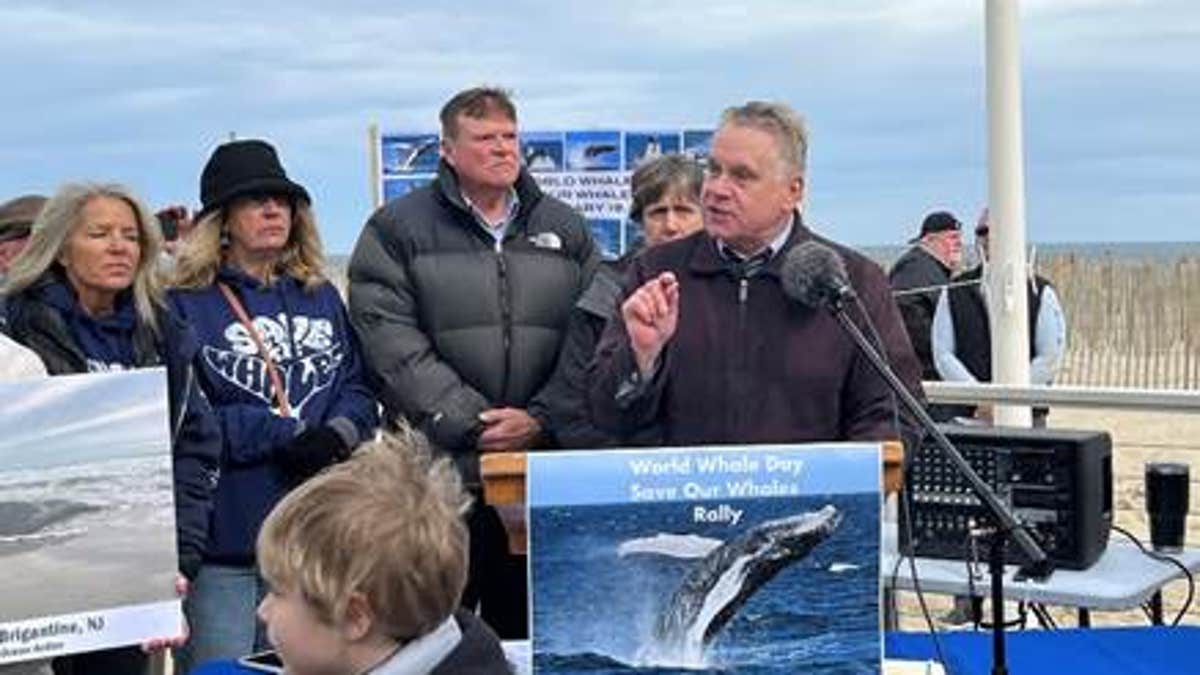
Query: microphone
[(814, 276)]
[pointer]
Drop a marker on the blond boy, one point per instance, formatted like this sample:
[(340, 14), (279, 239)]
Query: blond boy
[(366, 563)]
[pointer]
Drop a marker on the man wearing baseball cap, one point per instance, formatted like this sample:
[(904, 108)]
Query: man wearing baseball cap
[(918, 276)]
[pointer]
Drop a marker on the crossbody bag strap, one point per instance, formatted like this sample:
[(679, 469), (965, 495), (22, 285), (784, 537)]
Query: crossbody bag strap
[(272, 371)]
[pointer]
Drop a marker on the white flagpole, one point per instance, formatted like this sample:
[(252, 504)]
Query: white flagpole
[(1006, 200)]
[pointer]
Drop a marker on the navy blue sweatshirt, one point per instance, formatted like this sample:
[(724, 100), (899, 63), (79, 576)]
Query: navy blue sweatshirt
[(317, 353), (107, 341)]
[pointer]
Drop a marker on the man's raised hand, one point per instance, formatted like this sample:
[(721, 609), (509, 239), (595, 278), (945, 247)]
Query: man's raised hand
[(651, 314)]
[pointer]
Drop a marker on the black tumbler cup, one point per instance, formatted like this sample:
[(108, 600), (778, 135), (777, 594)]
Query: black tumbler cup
[(1167, 504)]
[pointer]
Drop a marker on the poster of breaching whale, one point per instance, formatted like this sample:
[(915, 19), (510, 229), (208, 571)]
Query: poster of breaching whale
[(755, 559), (87, 518)]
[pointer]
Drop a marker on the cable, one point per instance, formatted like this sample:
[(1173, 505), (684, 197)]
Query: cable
[(862, 310), (912, 568), (1043, 615), (971, 558), (904, 501), (936, 287), (1191, 587)]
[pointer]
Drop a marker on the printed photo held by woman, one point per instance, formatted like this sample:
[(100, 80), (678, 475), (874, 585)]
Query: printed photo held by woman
[(85, 296), (278, 360)]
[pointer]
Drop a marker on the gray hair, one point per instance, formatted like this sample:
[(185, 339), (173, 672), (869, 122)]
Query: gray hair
[(662, 176), (779, 120), (58, 220)]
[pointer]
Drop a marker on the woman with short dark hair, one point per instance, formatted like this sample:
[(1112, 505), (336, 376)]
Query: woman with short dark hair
[(666, 203)]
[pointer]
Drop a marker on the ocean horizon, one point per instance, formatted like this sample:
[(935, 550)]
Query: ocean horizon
[(885, 254), (1132, 251)]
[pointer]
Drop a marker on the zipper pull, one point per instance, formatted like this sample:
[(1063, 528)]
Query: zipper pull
[(743, 290)]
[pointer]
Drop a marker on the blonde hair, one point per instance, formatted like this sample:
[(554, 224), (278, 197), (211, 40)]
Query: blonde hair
[(386, 523), (58, 220), (779, 120), (202, 254)]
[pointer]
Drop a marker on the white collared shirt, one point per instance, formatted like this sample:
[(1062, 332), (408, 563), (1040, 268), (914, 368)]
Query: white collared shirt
[(496, 229), (774, 246), (1049, 338), (423, 654)]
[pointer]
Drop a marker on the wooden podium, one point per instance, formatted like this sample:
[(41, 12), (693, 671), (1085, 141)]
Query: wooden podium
[(504, 487)]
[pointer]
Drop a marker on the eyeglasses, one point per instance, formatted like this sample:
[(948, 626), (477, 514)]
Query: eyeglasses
[(261, 198)]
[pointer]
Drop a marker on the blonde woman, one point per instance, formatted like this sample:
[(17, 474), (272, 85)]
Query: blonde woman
[(85, 296), (279, 363)]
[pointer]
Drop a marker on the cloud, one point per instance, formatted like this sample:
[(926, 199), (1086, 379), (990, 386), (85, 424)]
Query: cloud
[(76, 412), (142, 90)]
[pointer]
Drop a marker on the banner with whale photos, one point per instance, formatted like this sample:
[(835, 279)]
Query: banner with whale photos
[(587, 168), (87, 521), (731, 559)]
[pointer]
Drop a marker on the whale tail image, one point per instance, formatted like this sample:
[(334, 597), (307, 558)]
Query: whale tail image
[(711, 594)]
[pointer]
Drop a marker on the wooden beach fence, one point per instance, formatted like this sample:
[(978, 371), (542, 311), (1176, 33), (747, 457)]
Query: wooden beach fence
[(1130, 323)]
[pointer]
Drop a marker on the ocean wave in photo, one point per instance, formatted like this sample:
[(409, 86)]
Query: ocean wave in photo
[(64, 527), (49, 506), (25, 526)]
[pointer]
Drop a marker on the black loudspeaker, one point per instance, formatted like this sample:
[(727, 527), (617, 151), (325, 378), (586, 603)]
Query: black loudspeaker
[(1057, 482)]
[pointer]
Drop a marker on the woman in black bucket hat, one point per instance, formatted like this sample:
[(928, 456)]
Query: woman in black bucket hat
[(280, 364), (244, 167)]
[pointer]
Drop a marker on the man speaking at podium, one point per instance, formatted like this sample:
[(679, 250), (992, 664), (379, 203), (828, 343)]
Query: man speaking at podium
[(707, 343)]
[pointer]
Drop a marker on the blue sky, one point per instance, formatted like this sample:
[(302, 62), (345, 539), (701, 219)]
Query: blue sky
[(76, 419), (893, 90)]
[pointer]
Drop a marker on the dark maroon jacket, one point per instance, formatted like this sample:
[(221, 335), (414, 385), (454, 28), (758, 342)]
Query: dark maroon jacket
[(766, 370)]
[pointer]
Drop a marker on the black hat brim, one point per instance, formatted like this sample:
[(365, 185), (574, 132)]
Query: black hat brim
[(921, 236), (269, 184)]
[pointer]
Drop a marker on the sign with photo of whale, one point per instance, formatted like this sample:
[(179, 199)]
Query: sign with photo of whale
[(589, 169), (87, 517), (756, 559)]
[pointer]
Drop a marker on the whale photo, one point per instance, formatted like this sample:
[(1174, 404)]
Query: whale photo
[(630, 574), (541, 151), (643, 146), (593, 150), (410, 153)]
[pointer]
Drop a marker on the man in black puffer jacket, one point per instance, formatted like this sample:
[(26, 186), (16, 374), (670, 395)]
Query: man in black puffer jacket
[(460, 292)]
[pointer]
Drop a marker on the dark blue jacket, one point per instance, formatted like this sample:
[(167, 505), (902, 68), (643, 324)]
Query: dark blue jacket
[(47, 319), (318, 357)]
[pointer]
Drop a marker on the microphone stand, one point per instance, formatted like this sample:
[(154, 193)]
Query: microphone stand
[(1007, 525)]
